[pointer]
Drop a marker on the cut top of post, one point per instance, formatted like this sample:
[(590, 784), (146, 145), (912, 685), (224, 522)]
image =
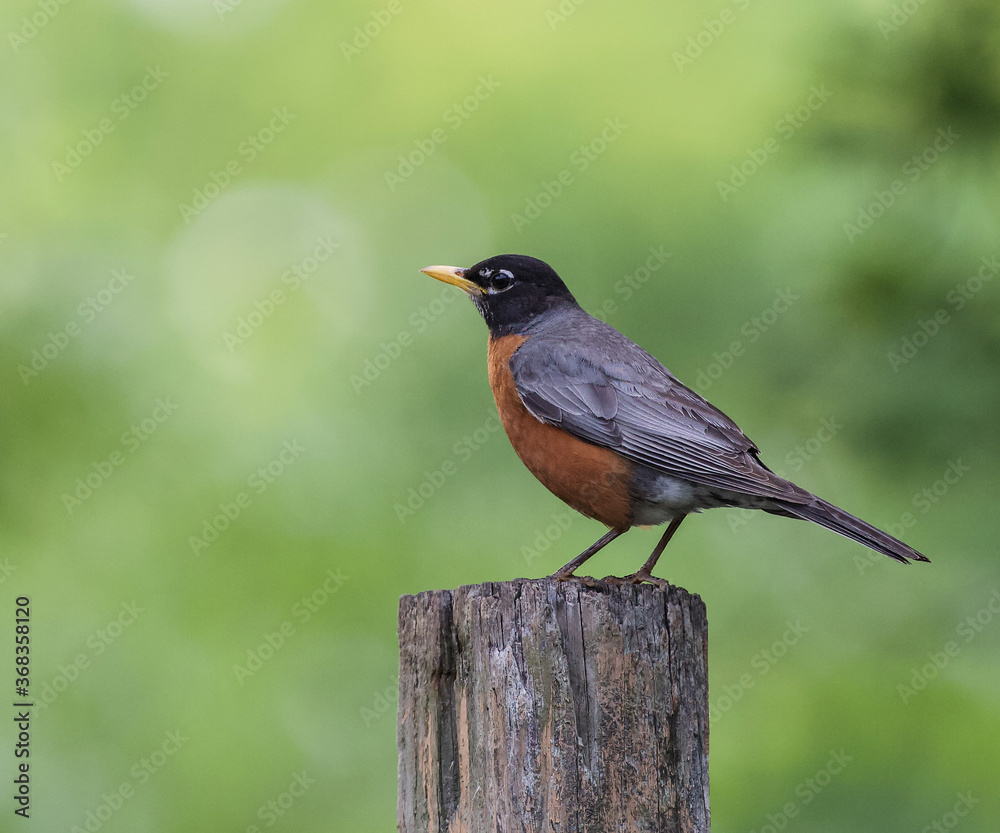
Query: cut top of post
[(540, 705)]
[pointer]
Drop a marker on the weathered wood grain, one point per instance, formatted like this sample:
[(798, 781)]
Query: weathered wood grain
[(546, 706)]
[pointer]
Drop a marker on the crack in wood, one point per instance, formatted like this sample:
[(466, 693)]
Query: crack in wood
[(537, 705)]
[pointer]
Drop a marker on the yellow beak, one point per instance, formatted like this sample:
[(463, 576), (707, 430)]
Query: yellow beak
[(455, 276)]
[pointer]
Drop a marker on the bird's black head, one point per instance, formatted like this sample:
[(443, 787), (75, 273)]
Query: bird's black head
[(508, 290)]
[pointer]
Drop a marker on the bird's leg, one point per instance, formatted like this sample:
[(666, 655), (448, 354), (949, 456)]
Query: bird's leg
[(645, 572), (647, 568), (566, 572)]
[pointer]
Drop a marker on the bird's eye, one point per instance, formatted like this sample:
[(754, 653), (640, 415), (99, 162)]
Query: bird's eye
[(503, 281)]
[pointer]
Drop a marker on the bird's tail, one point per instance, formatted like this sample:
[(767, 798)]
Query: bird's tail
[(832, 517)]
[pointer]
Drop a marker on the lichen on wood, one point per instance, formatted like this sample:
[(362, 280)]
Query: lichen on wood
[(553, 706)]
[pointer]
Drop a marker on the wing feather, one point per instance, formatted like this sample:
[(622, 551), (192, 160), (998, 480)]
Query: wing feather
[(610, 392)]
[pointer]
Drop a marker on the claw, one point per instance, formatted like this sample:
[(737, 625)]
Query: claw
[(643, 576), (638, 578), (586, 581)]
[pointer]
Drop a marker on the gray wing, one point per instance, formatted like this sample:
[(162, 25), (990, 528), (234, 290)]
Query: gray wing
[(610, 392)]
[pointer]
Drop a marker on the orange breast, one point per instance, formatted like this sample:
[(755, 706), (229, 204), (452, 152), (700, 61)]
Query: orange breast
[(591, 479)]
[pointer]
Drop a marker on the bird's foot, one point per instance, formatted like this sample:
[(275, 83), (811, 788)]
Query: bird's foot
[(563, 575), (638, 578)]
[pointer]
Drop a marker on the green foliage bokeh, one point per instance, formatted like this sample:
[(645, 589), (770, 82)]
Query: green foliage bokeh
[(213, 216)]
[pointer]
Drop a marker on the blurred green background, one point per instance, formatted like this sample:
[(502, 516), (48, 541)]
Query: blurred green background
[(223, 375)]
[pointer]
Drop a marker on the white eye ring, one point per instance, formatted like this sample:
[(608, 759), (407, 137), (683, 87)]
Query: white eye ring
[(494, 290)]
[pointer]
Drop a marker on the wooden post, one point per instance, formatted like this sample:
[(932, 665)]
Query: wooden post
[(548, 706)]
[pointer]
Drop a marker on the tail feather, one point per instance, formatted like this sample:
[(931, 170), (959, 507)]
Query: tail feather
[(835, 518)]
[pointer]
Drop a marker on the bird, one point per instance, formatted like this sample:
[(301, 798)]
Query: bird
[(610, 431)]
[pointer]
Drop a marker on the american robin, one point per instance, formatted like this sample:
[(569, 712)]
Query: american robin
[(609, 430)]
